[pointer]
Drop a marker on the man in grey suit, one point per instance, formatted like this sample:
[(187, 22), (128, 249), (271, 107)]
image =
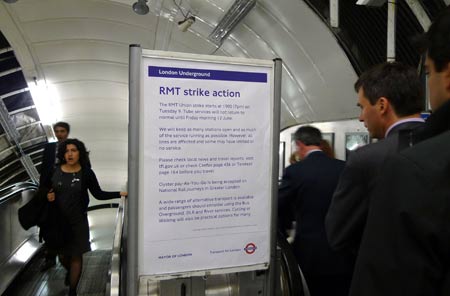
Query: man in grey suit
[(390, 97)]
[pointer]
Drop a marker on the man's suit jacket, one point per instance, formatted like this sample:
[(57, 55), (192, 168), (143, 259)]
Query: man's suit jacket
[(48, 164), (347, 214), (405, 249), (406, 242), (307, 188)]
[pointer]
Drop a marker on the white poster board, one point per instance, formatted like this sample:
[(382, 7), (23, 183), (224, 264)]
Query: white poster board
[(205, 171)]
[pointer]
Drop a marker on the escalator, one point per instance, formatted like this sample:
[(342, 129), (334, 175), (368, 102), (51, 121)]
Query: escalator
[(291, 278), (27, 246), (17, 246), (32, 280)]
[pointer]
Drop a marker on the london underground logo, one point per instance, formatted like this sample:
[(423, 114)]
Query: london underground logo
[(250, 248)]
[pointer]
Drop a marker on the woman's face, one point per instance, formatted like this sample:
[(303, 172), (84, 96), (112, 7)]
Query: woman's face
[(72, 155)]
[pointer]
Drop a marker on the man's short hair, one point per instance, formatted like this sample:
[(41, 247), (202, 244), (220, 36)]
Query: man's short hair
[(62, 124), (308, 135), (436, 42), (397, 82)]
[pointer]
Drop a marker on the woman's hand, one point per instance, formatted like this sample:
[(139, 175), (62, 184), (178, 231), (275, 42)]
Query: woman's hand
[(123, 193), (51, 196)]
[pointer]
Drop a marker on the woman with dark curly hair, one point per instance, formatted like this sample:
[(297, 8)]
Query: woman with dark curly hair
[(69, 190)]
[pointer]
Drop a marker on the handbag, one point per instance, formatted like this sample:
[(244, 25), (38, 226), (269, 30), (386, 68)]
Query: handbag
[(35, 212)]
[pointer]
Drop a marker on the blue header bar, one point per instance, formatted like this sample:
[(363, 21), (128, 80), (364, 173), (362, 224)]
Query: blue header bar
[(186, 73), (425, 115)]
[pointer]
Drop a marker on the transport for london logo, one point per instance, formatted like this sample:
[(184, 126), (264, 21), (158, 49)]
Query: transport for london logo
[(250, 248)]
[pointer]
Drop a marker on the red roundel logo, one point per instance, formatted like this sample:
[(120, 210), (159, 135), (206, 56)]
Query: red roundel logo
[(250, 248)]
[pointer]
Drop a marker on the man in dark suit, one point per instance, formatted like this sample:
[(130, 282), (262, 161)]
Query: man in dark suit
[(390, 97), (405, 248), (49, 161), (306, 188)]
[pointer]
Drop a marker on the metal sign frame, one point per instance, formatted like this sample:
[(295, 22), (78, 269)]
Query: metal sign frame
[(135, 155)]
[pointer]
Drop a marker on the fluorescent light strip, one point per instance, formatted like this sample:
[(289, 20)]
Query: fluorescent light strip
[(232, 17)]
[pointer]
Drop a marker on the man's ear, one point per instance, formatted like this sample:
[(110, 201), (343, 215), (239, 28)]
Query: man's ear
[(383, 105), (300, 145), (446, 76)]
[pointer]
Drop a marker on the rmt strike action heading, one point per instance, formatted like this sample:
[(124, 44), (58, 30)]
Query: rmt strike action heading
[(198, 92)]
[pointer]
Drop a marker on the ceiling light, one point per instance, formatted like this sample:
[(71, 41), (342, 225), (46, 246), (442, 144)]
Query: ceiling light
[(371, 2), (185, 24), (10, 1), (46, 99), (141, 7), (232, 17)]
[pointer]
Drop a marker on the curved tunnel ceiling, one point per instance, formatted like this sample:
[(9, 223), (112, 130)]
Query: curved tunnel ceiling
[(80, 49)]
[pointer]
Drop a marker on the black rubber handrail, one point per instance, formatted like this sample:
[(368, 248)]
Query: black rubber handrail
[(10, 191), (290, 267), (114, 286), (103, 206)]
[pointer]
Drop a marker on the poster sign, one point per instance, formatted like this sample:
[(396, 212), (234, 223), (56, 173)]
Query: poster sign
[(205, 175)]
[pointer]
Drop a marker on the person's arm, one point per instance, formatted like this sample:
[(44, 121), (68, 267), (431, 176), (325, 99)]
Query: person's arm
[(94, 187), (346, 217), (286, 194)]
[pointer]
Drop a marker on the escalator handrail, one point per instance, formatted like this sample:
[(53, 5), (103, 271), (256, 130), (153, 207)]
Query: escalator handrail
[(8, 187), (11, 191), (114, 284), (294, 276)]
